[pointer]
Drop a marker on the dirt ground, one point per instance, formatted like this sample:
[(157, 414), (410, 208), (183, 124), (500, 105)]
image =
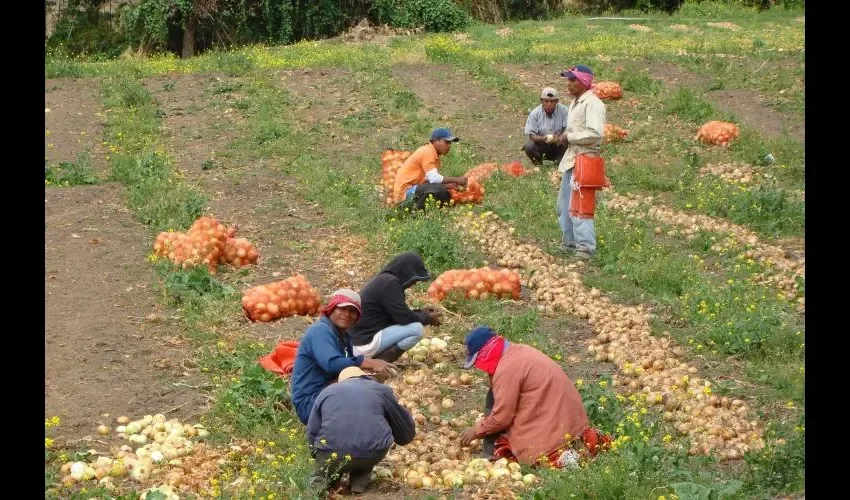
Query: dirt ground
[(744, 104), (73, 122), (470, 110)]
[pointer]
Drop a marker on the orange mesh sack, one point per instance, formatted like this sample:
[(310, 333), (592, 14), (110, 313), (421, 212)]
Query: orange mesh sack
[(473, 192), (391, 161), (514, 169), (718, 133), (478, 283), (583, 203), (280, 299), (482, 171), (610, 91), (614, 133)]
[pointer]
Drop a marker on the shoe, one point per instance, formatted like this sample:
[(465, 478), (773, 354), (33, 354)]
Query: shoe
[(582, 255), (360, 481), (568, 249), (390, 354)]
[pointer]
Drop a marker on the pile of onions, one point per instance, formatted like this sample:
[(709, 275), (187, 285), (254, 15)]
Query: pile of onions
[(473, 192), (435, 460), (160, 442), (608, 90), (614, 133), (430, 350), (477, 283), (717, 133), (739, 173), (208, 242), (391, 161), (648, 365), (281, 299), (482, 171), (785, 272)]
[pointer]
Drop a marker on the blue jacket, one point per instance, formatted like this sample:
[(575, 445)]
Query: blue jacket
[(321, 355), (358, 417)]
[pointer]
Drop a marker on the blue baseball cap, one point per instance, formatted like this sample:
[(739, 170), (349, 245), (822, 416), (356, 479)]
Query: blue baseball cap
[(443, 133), (474, 341), (578, 67)]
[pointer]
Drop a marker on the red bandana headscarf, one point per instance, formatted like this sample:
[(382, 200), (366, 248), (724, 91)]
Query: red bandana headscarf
[(490, 354)]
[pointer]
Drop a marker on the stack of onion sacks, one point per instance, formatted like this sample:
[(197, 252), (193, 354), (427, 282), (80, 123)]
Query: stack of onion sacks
[(281, 299), (718, 133), (609, 91), (477, 283), (391, 161), (614, 133), (202, 244), (473, 192)]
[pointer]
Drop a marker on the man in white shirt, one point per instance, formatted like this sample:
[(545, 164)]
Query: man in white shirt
[(585, 129), (544, 127)]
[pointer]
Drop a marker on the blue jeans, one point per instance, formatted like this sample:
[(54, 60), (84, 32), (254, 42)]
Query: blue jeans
[(404, 336), (577, 233)]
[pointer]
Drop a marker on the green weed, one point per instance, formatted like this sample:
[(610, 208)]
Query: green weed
[(688, 106), (77, 173)]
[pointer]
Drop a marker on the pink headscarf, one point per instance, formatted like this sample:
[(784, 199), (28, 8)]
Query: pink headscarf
[(586, 79)]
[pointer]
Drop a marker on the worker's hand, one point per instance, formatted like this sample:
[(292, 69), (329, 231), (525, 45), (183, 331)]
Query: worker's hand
[(435, 317), (467, 436), (379, 366), (562, 139), (550, 138), (463, 181), (451, 185)]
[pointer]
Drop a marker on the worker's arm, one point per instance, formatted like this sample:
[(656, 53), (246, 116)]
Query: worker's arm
[(328, 356), (506, 390), (399, 419)]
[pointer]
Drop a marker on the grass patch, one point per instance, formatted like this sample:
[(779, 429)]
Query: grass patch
[(688, 106), (76, 173)]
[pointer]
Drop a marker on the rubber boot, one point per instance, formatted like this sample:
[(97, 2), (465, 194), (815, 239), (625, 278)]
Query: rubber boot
[(360, 480), (390, 355)]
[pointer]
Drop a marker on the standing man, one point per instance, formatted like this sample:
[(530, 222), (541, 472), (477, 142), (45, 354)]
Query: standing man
[(352, 426), (585, 130), (420, 177), (544, 127)]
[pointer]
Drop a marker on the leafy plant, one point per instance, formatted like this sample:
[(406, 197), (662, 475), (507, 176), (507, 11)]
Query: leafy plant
[(75, 173), (687, 105)]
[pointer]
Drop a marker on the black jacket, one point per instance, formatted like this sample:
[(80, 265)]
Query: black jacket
[(382, 298), (359, 417)]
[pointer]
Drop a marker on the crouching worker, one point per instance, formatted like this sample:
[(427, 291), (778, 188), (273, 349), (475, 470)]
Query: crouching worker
[(534, 412), (351, 428), (419, 176), (325, 350), (388, 327)]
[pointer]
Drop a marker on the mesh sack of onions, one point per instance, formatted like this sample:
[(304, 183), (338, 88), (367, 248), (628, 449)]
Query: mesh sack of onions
[(202, 244), (391, 160), (473, 192), (482, 171), (477, 283), (514, 169), (717, 133), (614, 133), (280, 299), (239, 252), (610, 91)]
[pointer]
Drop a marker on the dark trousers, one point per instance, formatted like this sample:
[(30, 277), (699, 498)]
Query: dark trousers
[(438, 191), (359, 469), (538, 152), (488, 443)]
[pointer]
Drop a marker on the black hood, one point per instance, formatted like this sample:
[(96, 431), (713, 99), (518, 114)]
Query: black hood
[(409, 268)]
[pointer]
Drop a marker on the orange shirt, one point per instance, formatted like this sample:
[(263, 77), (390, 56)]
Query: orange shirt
[(413, 171), (536, 404)]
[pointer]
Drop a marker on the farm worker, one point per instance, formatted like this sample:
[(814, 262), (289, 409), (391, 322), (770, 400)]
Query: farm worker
[(419, 176), (388, 327), (533, 411), (544, 127), (352, 426), (585, 129), (325, 350)]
